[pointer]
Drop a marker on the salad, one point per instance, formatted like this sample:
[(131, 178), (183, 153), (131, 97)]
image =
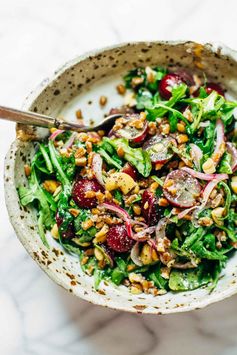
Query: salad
[(150, 205)]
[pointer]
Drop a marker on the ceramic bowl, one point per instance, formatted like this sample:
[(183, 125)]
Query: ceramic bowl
[(79, 84)]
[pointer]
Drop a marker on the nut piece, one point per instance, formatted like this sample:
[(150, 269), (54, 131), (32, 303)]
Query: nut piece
[(181, 127), (163, 202), (205, 221), (218, 213), (182, 138), (137, 209), (121, 89), (103, 100), (100, 236), (233, 184), (98, 254), (209, 166), (79, 114), (80, 161), (51, 185), (74, 212), (136, 289), (27, 170), (121, 181), (87, 224)]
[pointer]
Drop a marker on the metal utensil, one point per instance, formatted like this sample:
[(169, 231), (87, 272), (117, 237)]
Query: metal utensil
[(36, 119)]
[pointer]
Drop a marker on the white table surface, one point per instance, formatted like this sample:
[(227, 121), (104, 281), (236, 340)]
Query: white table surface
[(36, 316)]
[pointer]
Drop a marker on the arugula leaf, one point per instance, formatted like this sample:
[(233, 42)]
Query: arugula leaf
[(98, 277), (160, 109), (120, 272), (225, 164), (55, 158), (156, 277), (199, 249), (45, 154), (35, 193), (144, 99), (158, 180), (193, 237), (109, 159), (187, 280), (135, 156)]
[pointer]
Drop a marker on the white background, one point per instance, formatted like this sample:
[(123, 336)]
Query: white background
[(37, 317)]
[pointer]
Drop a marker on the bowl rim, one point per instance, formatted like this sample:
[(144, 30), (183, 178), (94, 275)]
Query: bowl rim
[(10, 190)]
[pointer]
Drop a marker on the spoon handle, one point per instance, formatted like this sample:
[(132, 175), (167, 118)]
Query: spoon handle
[(36, 119), (30, 118)]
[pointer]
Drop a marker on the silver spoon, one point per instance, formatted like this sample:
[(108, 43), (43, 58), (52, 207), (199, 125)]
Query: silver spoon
[(36, 119)]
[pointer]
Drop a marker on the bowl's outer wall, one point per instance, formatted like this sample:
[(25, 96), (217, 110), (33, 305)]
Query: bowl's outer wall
[(50, 97)]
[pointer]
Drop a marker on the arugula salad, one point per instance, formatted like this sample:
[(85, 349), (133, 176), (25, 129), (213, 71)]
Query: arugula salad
[(150, 205)]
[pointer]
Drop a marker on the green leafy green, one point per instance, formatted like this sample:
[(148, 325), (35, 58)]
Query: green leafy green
[(225, 164), (135, 156), (187, 280), (160, 109)]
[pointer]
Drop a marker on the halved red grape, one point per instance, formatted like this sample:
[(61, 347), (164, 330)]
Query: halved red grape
[(151, 211), (159, 148), (181, 189), (167, 84), (132, 133), (69, 232), (130, 170), (214, 87), (80, 187), (118, 239), (185, 76)]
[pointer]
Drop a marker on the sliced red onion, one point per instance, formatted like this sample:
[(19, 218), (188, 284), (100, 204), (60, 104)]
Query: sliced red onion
[(196, 155), (97, 163), (206, 194), (70, 141), (139, 223), (187, 265), (55, 134), (152, 243), (122, 213), (220, 141), (160, 228), (207, 191), (141, 236), (135, 254), (185, 212), (202, 176), (233, 151)]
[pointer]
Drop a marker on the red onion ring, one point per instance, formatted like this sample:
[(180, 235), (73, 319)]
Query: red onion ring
[(186, 211), (135, 254), (141, 236), (207, 177), (55, 134), (97, 163), (196, 155), (220, 142), (70, 141), (122, 213), (160, 228)]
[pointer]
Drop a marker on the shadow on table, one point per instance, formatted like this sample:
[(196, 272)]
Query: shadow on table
[(98, 330)]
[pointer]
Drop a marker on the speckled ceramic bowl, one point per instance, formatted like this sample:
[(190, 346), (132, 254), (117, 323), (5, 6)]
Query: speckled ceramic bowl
[(80, 83)]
